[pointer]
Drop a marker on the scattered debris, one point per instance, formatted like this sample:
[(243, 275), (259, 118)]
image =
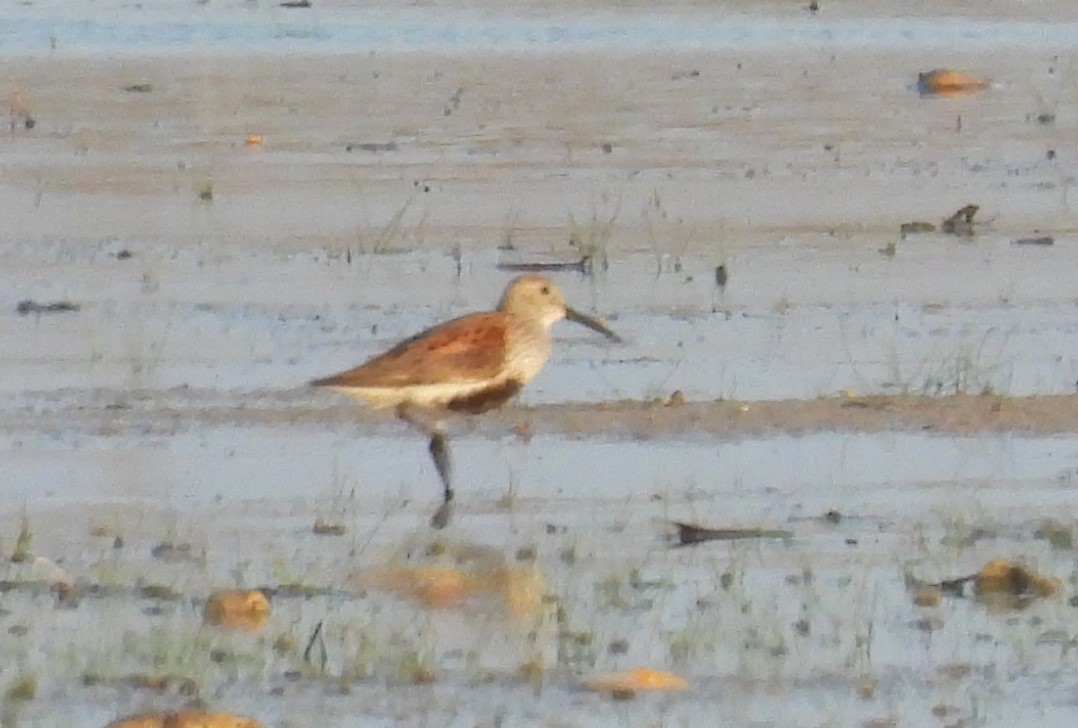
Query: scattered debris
[(584, 265), (928, 596), (186, 719), (22, 553), (316, 638), (947, 82), (1001, 584), (524, 430), (1003, 577), (866, 689), (139, 88), (27, 307), (174, 553), (36, 571), (961, 223), (454, 102), (688, 534), (1057, 534), (321, 528), (372, 147), (1043, 240), (626, 684), (253, 140), (22, 689), (159, 592), (175, 684), (19, 112), (916, 227), (103, 532), (237, 609), (851, 398)]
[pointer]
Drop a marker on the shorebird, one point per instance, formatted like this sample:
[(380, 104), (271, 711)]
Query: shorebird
[(471, 364)]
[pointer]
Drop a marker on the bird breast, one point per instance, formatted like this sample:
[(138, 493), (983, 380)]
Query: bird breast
[(527, 349)]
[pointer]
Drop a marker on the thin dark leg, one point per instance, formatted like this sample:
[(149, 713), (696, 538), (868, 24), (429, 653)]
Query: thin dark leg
[(439, 452)]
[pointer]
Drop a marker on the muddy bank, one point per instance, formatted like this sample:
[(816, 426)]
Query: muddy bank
[(197, 235), (957, 415), (203, 261), (673, 152), (145, 413)]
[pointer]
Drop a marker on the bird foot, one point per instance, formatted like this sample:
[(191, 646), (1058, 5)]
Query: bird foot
[(441, 517)]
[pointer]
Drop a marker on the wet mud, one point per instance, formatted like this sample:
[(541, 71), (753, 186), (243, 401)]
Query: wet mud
[(189, 237)]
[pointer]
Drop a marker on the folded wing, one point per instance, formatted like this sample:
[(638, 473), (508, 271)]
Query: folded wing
[(467, 349)]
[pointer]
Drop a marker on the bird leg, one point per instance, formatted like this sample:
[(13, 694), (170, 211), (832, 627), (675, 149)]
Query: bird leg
[(439, 452)]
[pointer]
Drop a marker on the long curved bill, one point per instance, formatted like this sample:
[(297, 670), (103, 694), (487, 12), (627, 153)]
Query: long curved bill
[(591, 323)]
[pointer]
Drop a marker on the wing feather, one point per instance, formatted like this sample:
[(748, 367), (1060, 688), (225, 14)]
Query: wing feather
[(467, 349)]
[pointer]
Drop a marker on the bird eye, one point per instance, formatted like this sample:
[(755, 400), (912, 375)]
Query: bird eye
[(545, 290)]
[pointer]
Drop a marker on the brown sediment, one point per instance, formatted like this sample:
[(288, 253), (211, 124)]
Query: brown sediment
[(957, 415), (960, 414)]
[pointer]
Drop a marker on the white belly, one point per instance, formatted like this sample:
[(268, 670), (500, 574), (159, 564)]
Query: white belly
[(417, 395)]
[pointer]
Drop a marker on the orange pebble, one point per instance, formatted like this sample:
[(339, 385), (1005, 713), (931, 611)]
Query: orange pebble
[(635, 680), (187, 719), (1001, 576), (236, 609), (945, 82)]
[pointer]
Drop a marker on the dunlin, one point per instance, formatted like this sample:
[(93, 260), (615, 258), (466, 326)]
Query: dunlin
[(471, 364)]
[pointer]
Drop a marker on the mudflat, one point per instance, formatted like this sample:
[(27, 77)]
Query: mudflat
[(226, 226)]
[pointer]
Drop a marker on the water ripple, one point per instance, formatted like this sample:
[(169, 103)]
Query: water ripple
[(311, 31)]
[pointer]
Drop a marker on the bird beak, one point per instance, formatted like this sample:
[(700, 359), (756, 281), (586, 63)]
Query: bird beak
[(591, 323)]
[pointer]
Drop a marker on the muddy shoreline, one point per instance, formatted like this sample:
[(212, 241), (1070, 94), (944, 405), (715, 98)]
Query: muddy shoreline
[(123, 414), (200, 234)]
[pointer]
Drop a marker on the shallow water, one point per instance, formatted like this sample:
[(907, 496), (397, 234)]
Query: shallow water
[(171, 407), (774, 333), (809, 618), (180, 26), (279, 30)]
